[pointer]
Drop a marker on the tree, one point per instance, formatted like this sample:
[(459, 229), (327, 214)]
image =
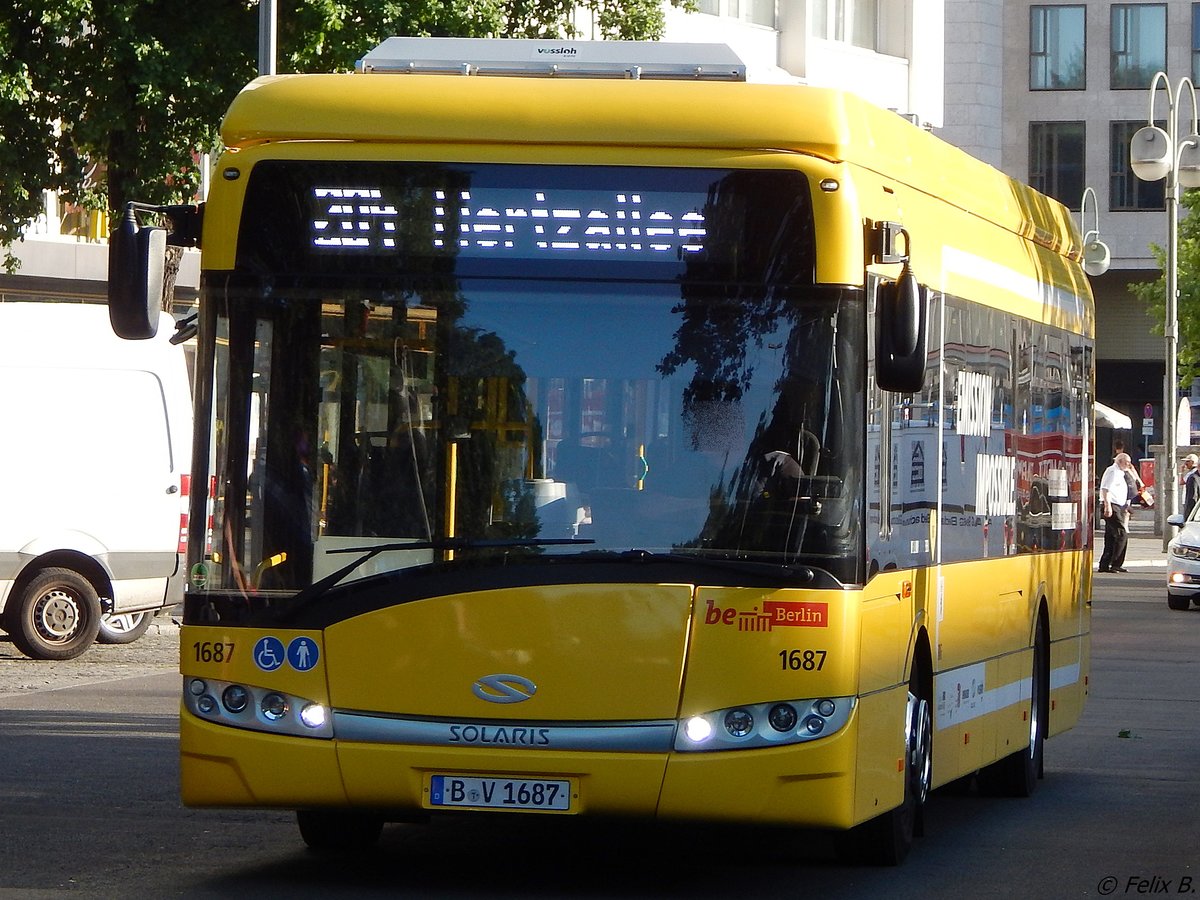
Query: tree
[(1154, 293), (107, 100)]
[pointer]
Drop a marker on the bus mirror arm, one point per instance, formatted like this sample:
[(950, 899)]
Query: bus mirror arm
[(900, 311), (882, 242), (137, 265), (185, 329)]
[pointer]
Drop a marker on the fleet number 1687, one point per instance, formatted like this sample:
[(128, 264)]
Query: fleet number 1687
[(802, 660)]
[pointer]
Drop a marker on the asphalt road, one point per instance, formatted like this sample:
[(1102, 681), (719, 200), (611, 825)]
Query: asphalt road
[(89, 804)]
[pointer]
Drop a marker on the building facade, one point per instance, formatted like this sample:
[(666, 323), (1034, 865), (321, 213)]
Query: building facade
[(888, 51), (1051, 93)]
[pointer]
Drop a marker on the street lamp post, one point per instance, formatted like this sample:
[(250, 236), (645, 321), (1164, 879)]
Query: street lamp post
[(267, 37), (1096, 255), (1155, 154)]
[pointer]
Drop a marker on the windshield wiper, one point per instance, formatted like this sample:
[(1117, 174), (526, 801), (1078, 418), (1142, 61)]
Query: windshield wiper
[(802, 573), (317, 588)]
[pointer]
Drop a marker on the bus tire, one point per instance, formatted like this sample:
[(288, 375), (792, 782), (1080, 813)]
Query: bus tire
[(55, 615), (123, 628), (886, 839), (337, 831), (1018, 773)]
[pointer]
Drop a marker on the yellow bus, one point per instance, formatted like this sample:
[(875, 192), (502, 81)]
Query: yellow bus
[(592, 430)]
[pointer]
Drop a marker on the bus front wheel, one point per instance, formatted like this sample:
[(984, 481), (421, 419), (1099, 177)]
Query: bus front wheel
[(338, 831), (1017, 774), (887, 839), (55, 615)]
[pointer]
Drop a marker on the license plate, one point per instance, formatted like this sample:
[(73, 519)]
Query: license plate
[(499, 793)]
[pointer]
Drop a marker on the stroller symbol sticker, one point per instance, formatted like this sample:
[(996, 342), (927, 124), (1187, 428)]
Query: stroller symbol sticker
[(269, 653)]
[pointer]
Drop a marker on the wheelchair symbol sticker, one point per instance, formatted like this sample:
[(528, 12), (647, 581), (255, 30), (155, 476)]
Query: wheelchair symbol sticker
[(269, 653), (302, 653)]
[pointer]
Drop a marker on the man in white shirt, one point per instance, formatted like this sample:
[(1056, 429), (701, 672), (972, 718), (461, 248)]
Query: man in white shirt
[(1191, 483), (1114, 501)]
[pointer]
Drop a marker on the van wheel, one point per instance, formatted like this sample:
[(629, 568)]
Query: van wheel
[(123, 628), (55, 616)]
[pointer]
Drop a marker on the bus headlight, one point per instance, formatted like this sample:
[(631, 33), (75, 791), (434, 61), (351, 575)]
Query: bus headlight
[(274, 706), (738, 722), (255, 708), (698, 729), (770, 724), (782, 717), (313, 715), (235, 698)]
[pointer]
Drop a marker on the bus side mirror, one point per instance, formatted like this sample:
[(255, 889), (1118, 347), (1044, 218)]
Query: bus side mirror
[(901, 314), (136, 262)]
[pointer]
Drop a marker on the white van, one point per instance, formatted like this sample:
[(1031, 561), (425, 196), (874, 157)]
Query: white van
[(94, 471)]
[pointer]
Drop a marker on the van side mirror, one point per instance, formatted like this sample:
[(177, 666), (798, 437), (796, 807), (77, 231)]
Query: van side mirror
[(136, 263), (901, 319)]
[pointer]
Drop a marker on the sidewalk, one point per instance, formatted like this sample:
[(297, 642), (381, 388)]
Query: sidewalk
[(1145, 547)]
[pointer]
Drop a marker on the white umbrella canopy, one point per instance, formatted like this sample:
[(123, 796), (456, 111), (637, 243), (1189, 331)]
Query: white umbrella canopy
[(1107, 417)]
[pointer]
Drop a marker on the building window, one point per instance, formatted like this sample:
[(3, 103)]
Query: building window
[(1057, 48), (850, 21), (1195, 42), (1056, 160), (1125, 190), (1139, 43), (759, 12)]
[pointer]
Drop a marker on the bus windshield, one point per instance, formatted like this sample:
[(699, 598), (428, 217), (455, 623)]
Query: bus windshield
[(529, 401)]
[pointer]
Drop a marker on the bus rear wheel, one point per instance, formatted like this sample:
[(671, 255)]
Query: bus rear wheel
[(55, 616), (338, 831)]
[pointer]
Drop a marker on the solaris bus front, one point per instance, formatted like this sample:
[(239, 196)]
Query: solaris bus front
[(536, 488)]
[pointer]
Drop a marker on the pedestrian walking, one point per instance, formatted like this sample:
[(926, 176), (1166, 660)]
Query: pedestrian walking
[(1191, 483), (1116, 493)]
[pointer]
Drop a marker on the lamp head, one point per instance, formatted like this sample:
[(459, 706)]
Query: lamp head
[(1189, 161), (1096, 257), (1150, 153)]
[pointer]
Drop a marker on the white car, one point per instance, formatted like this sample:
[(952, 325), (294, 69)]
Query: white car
[(1183, 561)]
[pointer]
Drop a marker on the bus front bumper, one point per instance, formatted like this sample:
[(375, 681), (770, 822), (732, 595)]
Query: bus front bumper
[(808, 785)]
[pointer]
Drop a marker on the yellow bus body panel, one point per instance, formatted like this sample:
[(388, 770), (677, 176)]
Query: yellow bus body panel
[(752, 645), (601, 652), (225, 766), (620, 659), (834, 125), (881, 167)]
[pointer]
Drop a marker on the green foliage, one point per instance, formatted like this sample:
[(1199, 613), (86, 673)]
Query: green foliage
[(1154, 293), (109, 100)]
